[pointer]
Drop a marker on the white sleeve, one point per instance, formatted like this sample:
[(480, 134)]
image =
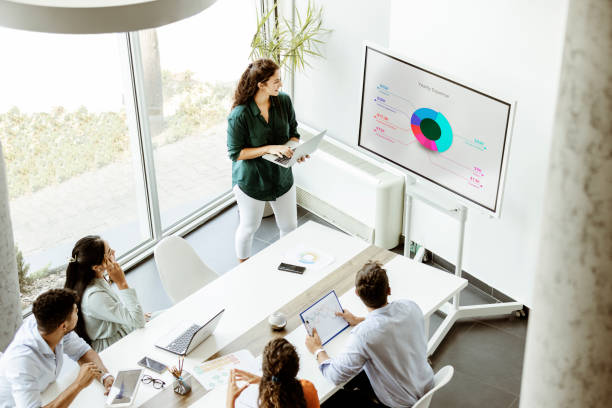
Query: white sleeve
[(25, 388), (128, 311), (74, 346), (344, 367)]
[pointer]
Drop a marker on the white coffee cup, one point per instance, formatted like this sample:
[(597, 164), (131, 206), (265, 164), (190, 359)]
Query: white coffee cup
[(277, 320)]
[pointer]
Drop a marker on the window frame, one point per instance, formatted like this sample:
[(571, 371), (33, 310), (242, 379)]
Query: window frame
[(140, 137)]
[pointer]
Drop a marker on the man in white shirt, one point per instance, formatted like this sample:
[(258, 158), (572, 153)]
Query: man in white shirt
[(35, 356), (388, 344)]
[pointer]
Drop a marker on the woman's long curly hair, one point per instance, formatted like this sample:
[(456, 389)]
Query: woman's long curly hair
[(279, 387), (258, 71)]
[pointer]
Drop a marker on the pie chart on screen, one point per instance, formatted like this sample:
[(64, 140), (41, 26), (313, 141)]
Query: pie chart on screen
[(431, 129)]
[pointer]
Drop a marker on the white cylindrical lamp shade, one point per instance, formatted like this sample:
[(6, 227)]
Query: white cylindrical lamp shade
[(95, 16)]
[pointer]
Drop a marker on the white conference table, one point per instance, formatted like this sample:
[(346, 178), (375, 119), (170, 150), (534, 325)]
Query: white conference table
[(249, 293), (426, 286)]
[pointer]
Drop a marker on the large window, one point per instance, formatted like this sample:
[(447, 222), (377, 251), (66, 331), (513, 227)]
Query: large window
[(200, 60), (71, 168), (117, 135)]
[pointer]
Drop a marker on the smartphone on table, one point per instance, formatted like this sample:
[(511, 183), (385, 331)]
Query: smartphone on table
[(291, 268), (151, 364)]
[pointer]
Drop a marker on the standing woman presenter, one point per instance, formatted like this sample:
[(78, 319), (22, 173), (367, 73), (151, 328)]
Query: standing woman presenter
[(262, 120)]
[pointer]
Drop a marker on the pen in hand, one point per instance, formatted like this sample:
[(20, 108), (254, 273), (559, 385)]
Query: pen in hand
[(308, 328)]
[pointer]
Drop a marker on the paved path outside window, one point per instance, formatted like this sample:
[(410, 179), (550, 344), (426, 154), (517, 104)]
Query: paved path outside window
[(190, 172)]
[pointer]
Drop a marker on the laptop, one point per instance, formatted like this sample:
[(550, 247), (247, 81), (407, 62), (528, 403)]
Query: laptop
[(299, 150), (187, 336)]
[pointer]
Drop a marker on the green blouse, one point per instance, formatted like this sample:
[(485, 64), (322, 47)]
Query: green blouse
[(246, 127)]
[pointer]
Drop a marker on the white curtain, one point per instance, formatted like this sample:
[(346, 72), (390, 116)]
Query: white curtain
[(10, 315)]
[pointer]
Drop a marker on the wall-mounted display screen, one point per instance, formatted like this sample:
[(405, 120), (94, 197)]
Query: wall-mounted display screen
[(439, 129)]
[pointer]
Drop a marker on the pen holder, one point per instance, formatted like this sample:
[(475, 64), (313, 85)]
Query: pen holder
[(182, 386)]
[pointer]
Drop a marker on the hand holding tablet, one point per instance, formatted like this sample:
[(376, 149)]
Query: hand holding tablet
[(322, 316)]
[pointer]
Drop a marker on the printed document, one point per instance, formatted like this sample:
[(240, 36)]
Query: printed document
[(322, 316)]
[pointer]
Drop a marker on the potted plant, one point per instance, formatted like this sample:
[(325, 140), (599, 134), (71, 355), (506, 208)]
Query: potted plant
[(289, 44)]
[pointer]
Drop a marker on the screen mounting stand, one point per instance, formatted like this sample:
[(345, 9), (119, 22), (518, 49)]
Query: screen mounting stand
[(452, 311)]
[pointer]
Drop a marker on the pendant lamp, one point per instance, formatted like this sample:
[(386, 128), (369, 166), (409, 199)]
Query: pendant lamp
[(95, 16)]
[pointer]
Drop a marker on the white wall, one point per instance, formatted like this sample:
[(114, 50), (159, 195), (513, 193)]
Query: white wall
[(512, 46), (327, 95)]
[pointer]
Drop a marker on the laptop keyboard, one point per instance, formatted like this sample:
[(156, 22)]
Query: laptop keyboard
[(180, 344), (284, 159)]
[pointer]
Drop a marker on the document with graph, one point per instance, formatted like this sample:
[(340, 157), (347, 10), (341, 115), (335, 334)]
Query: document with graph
[(213, 373), (322, 316)]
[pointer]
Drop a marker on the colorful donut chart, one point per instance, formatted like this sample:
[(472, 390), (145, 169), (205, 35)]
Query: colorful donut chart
[(431, 129), (308, 257)]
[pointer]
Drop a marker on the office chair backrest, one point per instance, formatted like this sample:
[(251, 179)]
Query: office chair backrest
[(181, 270), (441, 378)]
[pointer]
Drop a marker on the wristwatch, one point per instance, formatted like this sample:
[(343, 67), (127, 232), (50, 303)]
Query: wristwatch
[(316, 353), (104, 377)]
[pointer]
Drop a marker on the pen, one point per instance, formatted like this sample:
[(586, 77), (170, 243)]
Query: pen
[(308, 329), (177, 372)]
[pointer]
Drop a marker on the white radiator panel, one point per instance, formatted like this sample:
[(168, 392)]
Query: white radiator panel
[(334, 216), (352, 193)]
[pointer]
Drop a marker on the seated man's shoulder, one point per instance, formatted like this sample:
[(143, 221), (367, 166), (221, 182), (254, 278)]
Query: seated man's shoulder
[(402, 310), (24, 340), (74, 346), (408, 305), (373, 332)]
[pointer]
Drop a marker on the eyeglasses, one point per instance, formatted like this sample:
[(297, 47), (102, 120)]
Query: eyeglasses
[(157, 383)]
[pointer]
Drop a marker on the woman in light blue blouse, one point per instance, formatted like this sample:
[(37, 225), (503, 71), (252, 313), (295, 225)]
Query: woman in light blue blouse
[(105, 315)]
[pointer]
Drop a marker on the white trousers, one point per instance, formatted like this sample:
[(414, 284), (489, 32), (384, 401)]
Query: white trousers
[(251, 211)]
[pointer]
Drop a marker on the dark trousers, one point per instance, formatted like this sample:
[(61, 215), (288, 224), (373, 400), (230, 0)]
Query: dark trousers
[(356, 393)]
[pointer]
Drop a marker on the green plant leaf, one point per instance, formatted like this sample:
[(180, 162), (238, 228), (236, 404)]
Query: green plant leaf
[(290, 46)]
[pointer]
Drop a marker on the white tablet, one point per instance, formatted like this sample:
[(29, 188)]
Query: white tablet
[(123, 391), (322, 316)]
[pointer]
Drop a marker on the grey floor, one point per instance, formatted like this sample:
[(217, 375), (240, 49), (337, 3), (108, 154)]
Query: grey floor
[(487, 354)]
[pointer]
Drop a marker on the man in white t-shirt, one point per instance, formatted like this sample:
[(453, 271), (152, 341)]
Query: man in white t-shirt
[(35, 356), (389, 344)]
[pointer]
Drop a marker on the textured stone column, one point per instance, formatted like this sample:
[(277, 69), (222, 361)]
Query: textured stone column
[(568, 359), (10, 310)]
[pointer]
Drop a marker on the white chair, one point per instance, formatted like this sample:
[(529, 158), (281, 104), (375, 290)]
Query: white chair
[(181, 270), (441, 378)]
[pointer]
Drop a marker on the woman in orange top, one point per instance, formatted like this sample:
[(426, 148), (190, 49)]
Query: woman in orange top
[(278, 387)]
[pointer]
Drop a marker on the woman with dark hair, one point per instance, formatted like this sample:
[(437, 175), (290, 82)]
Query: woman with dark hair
[(261, 122), (278, 386), (105, 316)]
